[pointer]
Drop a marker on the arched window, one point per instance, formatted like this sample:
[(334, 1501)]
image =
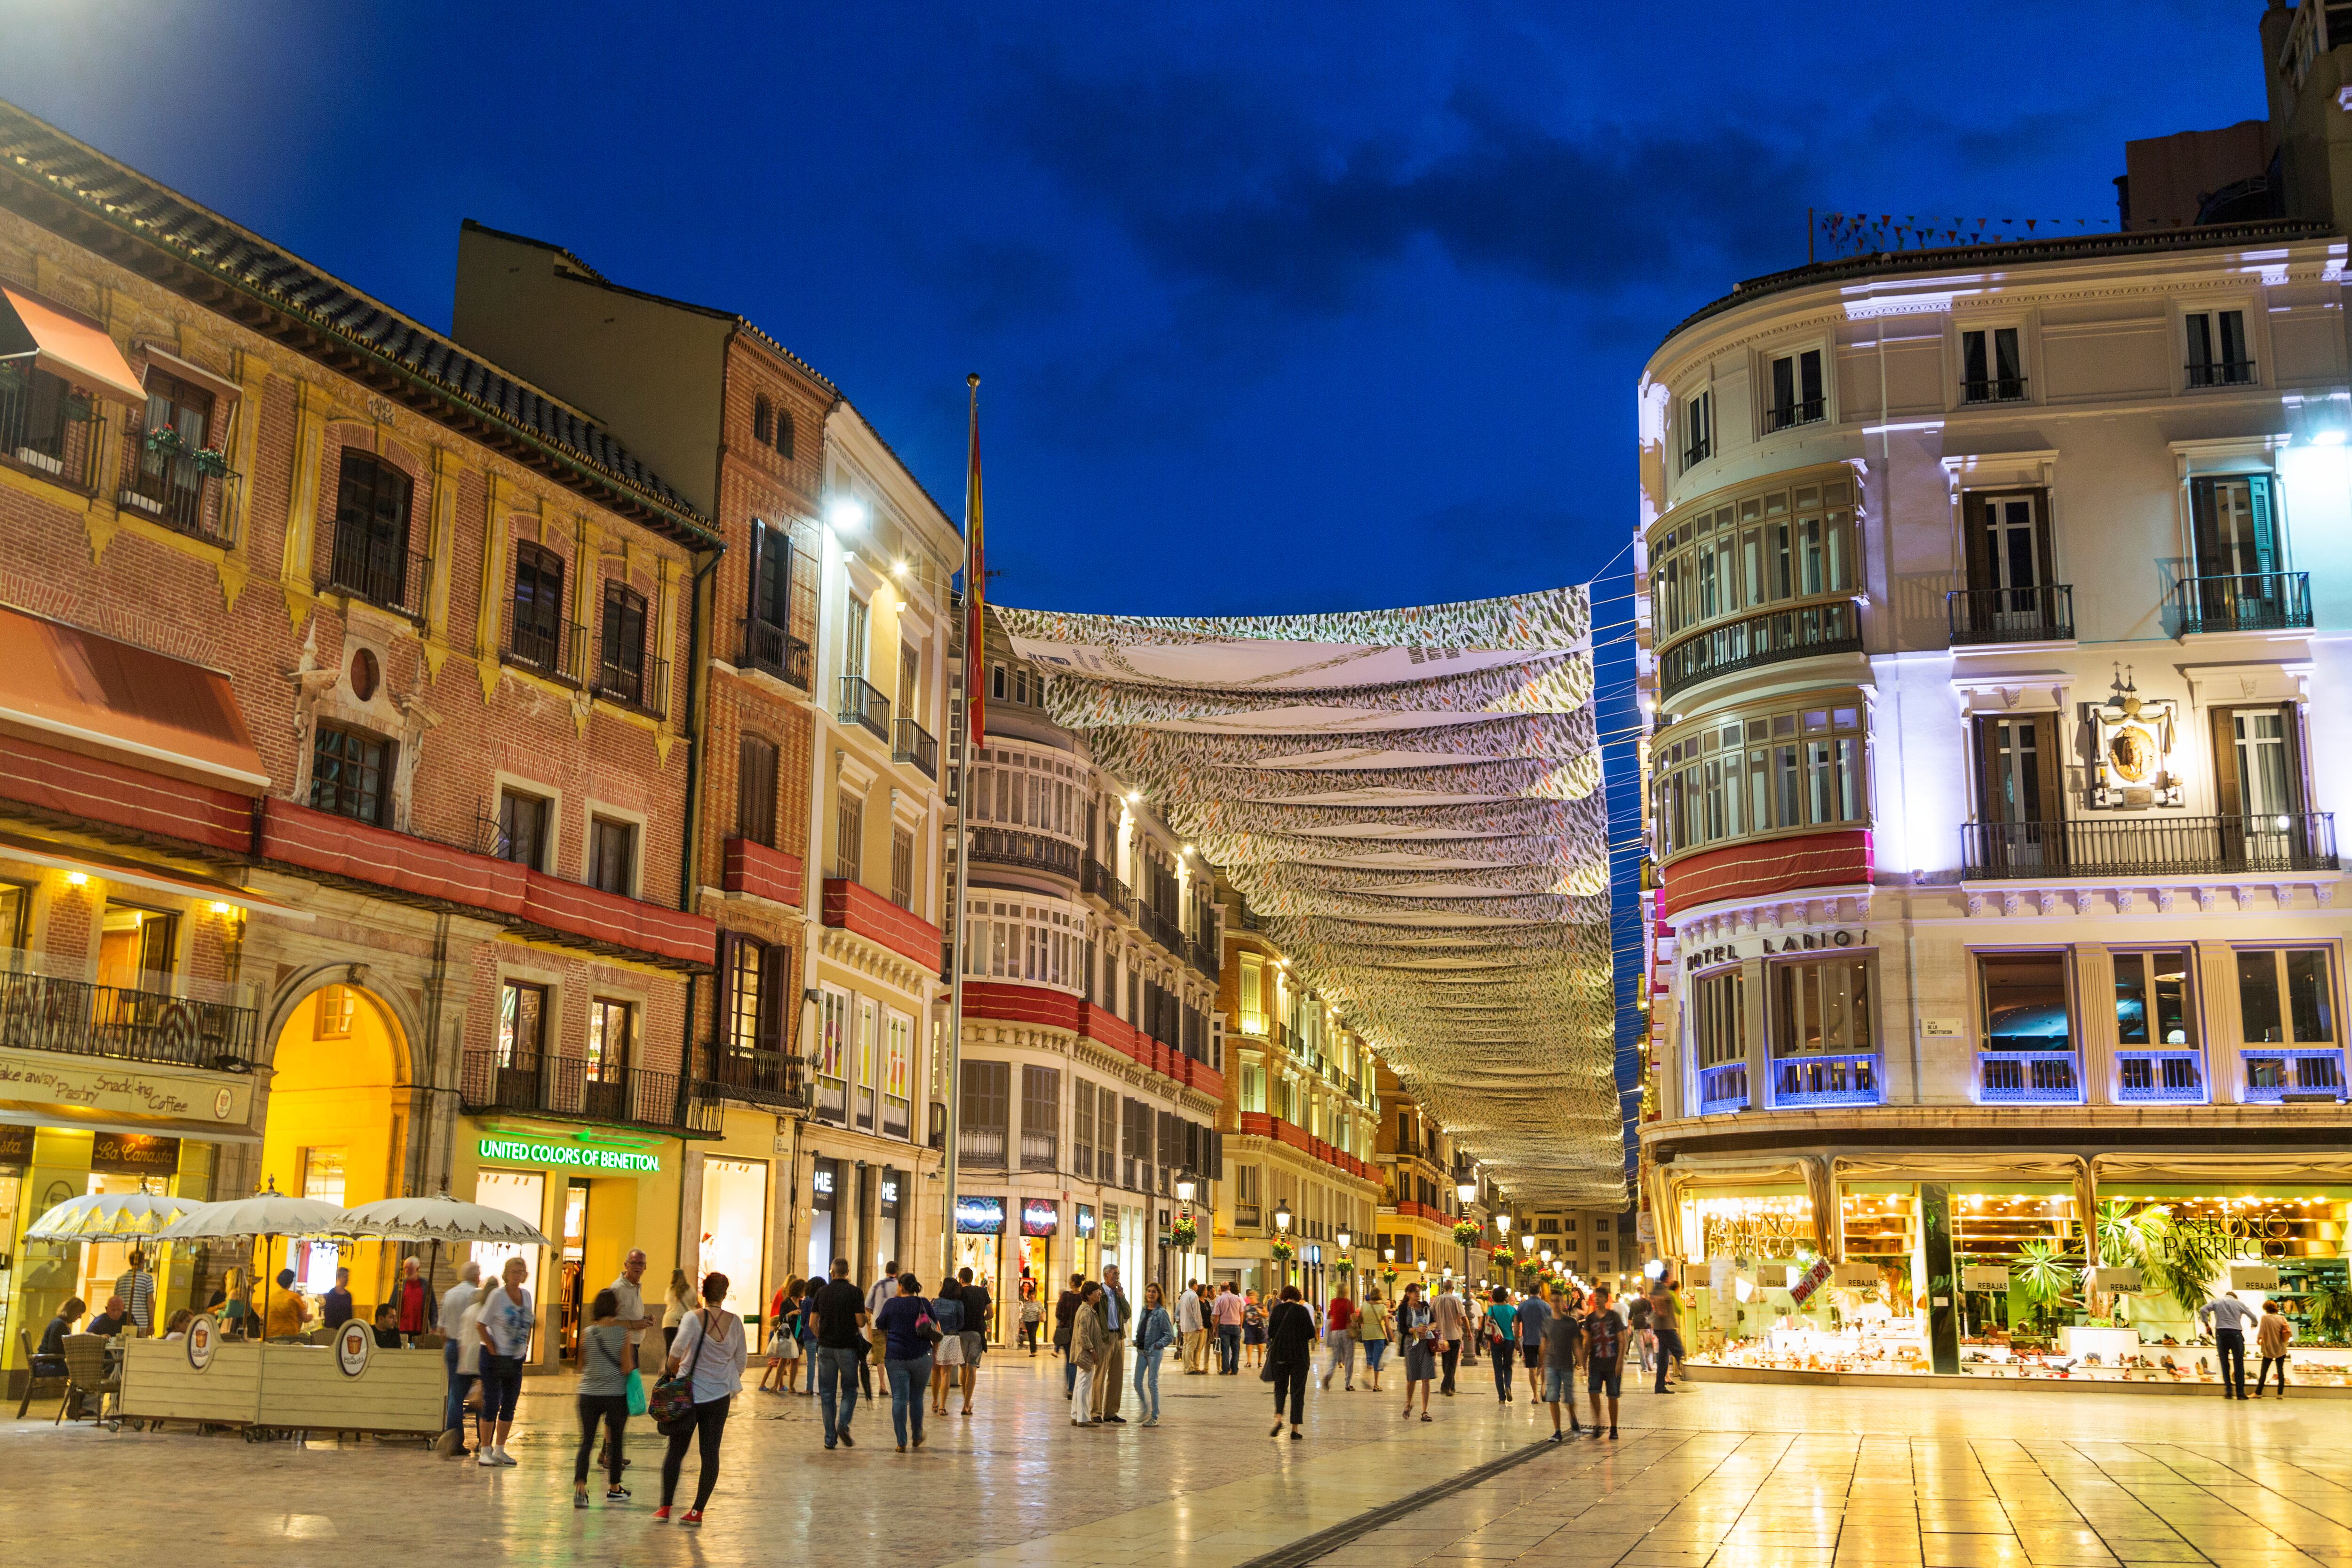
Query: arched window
[(784, 431), (763, 421)]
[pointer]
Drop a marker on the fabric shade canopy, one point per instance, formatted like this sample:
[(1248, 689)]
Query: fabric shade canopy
[(111, 1216), (65, 343), (441, 1218), (1410, 803), (266, 1214)]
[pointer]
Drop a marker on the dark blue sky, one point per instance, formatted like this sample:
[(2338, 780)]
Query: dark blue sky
[(1279, 307)]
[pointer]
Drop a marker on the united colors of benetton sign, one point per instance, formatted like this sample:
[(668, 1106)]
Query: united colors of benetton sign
[(572, 1156)]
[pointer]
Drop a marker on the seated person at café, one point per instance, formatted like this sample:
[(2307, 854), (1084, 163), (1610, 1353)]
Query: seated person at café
[(387, 1327), (233, 1301), (177, 1328), (335, 1306), (288, 1311), (111, 1321), (49, 1361)]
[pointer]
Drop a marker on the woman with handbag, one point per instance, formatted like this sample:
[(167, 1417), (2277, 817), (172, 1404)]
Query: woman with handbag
[(1252, 1331), (604, 1397), (1153, 1334), (1415, 1333), (947, 1312), (908, 1334), (1372, 1334), (1289, 1357), (783, 1335), (691, 1406)]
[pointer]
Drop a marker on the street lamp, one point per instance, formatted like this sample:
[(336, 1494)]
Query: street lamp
[(1186, 1185), (1503, 1229), (1282, 1229), (1465, 1189), (1343, 1237)]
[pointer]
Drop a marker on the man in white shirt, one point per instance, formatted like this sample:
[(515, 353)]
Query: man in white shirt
[(452, 1324), (628, 1288), (137, 1289), (1448, 1322), (1188, 1329), (884, 1286), (2229, 1318)]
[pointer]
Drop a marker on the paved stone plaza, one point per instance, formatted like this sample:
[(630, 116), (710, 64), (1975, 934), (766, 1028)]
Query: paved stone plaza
[(1723, 1475)]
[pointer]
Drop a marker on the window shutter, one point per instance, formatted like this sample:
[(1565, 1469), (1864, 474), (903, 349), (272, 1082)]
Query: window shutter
[(2229, 797), (2205, 526), (1976, 528), (2258, 492), (2048, 766), (722, 1015), (758, 548), (775, 990)]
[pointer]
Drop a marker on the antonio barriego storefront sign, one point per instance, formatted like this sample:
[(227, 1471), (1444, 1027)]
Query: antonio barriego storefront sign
[(1773, 947), (87, 1086)]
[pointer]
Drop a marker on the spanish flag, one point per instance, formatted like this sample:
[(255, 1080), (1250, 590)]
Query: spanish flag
[(975, 581)]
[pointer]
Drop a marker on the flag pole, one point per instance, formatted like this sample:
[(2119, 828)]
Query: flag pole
[(974, 661)]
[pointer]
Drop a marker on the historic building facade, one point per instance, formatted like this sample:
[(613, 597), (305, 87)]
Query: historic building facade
[(344, 781), (1994, 605)]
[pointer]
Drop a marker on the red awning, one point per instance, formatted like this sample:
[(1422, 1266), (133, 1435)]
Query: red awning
[(69, 344), (86, 693)]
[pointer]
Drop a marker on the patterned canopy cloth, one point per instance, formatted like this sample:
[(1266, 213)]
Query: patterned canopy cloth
[(1410, 802)]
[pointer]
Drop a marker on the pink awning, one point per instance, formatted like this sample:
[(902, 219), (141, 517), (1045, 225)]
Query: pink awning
[(69, 344)]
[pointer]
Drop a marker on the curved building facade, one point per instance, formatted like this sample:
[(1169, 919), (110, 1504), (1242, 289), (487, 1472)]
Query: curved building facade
[(1994, 630)]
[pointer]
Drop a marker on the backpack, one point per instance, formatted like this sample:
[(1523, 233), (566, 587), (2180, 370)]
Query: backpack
[(1601, 1331)]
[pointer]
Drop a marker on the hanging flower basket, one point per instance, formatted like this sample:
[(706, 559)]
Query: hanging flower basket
[(166, 442), (1283, 1251), (211, 462), (1388, 1277), (1184, 1233), (1342, 1268), (1466, 1234)]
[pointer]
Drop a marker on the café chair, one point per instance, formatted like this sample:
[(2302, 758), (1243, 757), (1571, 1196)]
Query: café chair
[(43, 1385), (88, 1373)]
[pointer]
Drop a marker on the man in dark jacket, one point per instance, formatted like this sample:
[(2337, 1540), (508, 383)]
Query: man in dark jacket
[(1066, 1312), (1117, 1323)]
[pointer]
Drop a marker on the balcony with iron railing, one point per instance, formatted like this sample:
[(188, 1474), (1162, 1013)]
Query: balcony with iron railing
[(2026, 1077), (46, 428), (47, 1005), (1161, 929), (1722, 1088), (913, 744), (1993, 389), (2245, 602), (776, 1079), (634, 679), (1096, 878), (2144, 1075), (1028, 851), (558, 652), (2277, 1075), (1800, 411), (771, 649), (2045, 613), (186, 491), (1805, 1082), (573, 1090), (2221, 373), (863, 704), (2150, 845), (1811, 631), (384, 571)]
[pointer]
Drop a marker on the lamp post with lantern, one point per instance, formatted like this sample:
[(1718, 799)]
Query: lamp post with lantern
[(1186, 1230), (1503, 1229), (1466, 1190), (1343, 1237), (1282, 1236)]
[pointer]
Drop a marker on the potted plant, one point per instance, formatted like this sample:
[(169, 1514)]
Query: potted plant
[(1281, 1251), (1465, 1233), (165, 441), (211, 462), (1184, 1233)]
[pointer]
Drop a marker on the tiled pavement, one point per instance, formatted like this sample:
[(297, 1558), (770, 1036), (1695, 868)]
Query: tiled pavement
[(1725, 1476)]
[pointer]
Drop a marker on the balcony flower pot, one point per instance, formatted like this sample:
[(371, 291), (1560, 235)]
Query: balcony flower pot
[(76, 406), (211, 462), (1281, 1251), (165, 441)]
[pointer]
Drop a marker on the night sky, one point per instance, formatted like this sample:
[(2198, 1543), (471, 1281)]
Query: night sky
[(1278, 307)]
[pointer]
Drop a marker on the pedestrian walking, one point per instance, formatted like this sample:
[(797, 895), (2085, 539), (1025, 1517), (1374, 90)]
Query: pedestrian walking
[(2229, 1319), (947, 1360), (1340, 1338), (1416, 1330), (1110, 1391), (1605, 1334), (136, 1286), (1450, 1319), (906, 1325), (677, 1302), (1066, 1311), (1252, 1331), (840, 1351), (711, 1350), (1189, 1327), (1033, 1315), (507, 1319), (884, 1286), (628, 1292), (1290, 1357), (1637, 1318), (460, 1356), (1088, 1347), (2273, 1335), (1474, 1323), (1372, 1332), (1666, 1328), (979, 1311), (1153, 1334), (1535, 1318), (604, 1366), (1562, 1349), (783, 1335), (1227, 1312), (1503, 1342)]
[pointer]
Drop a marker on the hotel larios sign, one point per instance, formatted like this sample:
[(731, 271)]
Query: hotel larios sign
[(147, 1088), (1771, 947), (571, 1156)]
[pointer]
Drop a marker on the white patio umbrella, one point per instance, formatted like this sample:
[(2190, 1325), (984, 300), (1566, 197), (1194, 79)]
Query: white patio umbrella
[(113, 1216), (271, 1213), (441, 1218)]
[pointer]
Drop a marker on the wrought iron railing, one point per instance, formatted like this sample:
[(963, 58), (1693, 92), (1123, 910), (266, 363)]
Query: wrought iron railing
[(2221, 373), (982, 1147), (755, 1077), (558, 652), (1853, 1078), (1993, 389), (2246, 602), (913, 744), (1723, 1087), (1803, 410), (1757, 640), (44, 429), (2028, 1077), (634, 679), (1161, 929), (769, 648), (862, 703), (384, 571), (170, 1020), (2276, 1073), (568, 1087), (2156, 1076), (1097, 879), (2144, 845), (171, 488), (1030, 851), (2045, 613)]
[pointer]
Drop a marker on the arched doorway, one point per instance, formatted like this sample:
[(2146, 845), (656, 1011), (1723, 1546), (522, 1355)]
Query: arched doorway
[(337, 1127)]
